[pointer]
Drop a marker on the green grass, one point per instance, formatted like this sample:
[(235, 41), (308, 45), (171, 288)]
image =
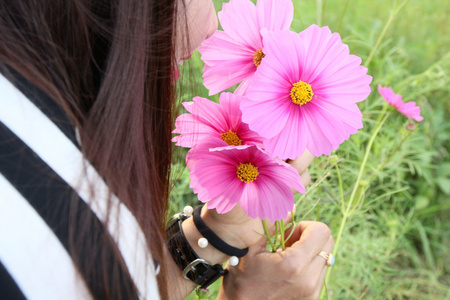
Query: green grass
[(395, 241)]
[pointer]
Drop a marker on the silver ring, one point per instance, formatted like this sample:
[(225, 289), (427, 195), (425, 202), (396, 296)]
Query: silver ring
[(329, 258)]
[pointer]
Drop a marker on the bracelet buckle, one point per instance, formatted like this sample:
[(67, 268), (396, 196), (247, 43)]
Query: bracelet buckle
[(192, 265)]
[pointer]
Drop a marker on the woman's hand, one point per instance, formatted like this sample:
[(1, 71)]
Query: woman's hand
[(296, 273), (235, 228)]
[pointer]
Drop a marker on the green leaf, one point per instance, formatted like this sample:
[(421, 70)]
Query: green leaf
[(444, 185)]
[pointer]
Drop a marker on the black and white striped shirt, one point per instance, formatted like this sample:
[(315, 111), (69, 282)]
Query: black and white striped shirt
[(42, 177)]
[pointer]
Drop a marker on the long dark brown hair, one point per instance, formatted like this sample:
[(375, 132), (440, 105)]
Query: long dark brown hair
[(109, 64)]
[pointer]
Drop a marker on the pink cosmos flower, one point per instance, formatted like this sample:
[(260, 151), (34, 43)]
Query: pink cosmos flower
[(304, 93), (234, 54), (408, 109), (209, 119), (228, 175)]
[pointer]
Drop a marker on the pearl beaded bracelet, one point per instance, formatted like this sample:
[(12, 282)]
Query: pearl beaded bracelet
[(209, 237)]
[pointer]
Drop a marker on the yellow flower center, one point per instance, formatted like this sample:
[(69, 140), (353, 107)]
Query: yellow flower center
[(247, 172), (257, 57), (301, 93), (231, 138)]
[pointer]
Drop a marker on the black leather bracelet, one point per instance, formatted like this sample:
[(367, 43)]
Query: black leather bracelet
[(193, 268), (213, 239)]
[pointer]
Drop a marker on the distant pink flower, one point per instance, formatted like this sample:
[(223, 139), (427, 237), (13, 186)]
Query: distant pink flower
[(408, 109), (244, 174), (304, 93), (233, 55), (209, 119)]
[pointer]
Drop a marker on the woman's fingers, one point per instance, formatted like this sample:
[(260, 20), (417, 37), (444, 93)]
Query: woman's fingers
[(306, 228), (306, 178), (319, 263), (320, 279), (313, 237), (302, 162)]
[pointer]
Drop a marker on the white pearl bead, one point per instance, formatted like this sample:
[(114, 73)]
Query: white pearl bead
[(234, 261), (202, 242), (188, 210)]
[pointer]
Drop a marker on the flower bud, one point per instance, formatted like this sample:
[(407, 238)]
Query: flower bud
[(411, 126)]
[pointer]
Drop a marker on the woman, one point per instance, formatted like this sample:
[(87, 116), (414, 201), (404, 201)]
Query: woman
[(86, 119)]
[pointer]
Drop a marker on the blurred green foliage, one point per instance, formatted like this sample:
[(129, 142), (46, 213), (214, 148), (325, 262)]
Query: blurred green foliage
[(396, 241)]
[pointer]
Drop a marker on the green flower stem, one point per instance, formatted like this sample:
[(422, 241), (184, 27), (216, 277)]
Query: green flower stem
[(292, 226), (324, 6), (269, 238), (341, 188), (319, 7), (275, 238), (342, 15), (380, 38), (283, 242), (383, 32), (355, 188)]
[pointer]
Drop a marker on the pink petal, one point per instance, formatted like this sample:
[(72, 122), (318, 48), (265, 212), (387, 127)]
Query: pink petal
[(226, 62), (210, 113), (345, 93), (192, 130), (408, 109), (206, 119), (224, 202), (224, 75), (386, 92), (230, 105), (329, 124), (242, 88), (347, 70), (268, 84), (322, 49), (213, 178), (238, 20), (290, 142), (318, 142), (209, 119), (275, 14), (216, 164), (411, 110), (281, 48), (250, 201), (390, 97), (228, 147), (220, 46), (267, 125), (349, 114), (198, 152), (285, 174), (276, 199), (330, 69), (249, 136)]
